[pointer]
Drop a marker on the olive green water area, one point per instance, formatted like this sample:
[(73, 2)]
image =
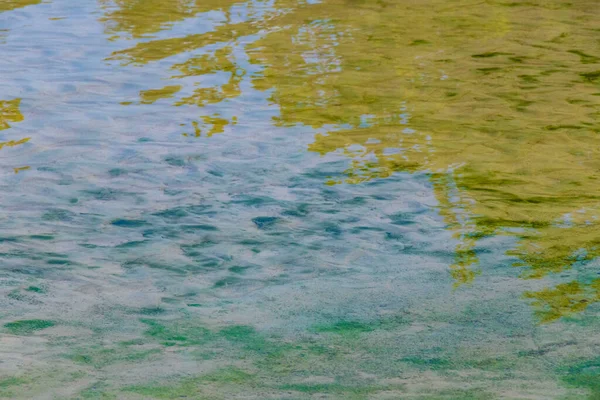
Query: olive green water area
[(293, 199)]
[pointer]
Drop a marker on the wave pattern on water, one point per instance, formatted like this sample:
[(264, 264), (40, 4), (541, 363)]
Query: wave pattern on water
[(298, 199)]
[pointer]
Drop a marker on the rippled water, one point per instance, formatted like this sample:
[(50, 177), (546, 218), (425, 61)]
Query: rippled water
[(299, 199)]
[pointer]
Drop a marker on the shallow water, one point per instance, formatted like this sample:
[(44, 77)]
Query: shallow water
[(299, 199)]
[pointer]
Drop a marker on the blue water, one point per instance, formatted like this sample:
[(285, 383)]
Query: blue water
[(139, 260)]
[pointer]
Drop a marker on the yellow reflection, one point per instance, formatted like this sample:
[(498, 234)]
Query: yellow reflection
[(139, 18), (7, 5), (9, 112), (498, 101), (12, 143), (494, 101), (465, 257), (564, 300), (152, 95)]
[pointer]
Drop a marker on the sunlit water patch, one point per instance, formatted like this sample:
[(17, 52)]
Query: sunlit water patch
[(293, 199)]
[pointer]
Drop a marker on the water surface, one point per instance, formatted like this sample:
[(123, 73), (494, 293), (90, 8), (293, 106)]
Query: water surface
[(299, 199)]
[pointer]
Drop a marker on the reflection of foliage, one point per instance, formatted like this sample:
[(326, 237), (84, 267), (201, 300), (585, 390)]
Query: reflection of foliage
[(152, 95), (220, 62), (498, 104), (465, 256), (9, 112), (216, 124), (565, 299), (205, 64), (7, 5), (140, 18)]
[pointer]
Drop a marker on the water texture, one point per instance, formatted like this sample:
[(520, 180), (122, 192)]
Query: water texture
[(299, 199)]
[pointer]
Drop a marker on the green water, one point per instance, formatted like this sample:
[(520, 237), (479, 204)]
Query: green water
[(290, 199)]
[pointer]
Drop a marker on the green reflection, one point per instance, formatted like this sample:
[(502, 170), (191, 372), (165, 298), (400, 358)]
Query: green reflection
[(497, 101)]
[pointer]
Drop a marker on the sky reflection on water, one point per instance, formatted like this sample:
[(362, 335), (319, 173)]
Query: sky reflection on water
[(294, 199)]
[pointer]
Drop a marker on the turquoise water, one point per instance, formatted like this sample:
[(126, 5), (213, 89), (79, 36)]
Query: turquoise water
[(334, 199)]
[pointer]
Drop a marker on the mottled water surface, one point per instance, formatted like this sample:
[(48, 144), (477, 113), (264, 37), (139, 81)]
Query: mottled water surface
[(299, 199)]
